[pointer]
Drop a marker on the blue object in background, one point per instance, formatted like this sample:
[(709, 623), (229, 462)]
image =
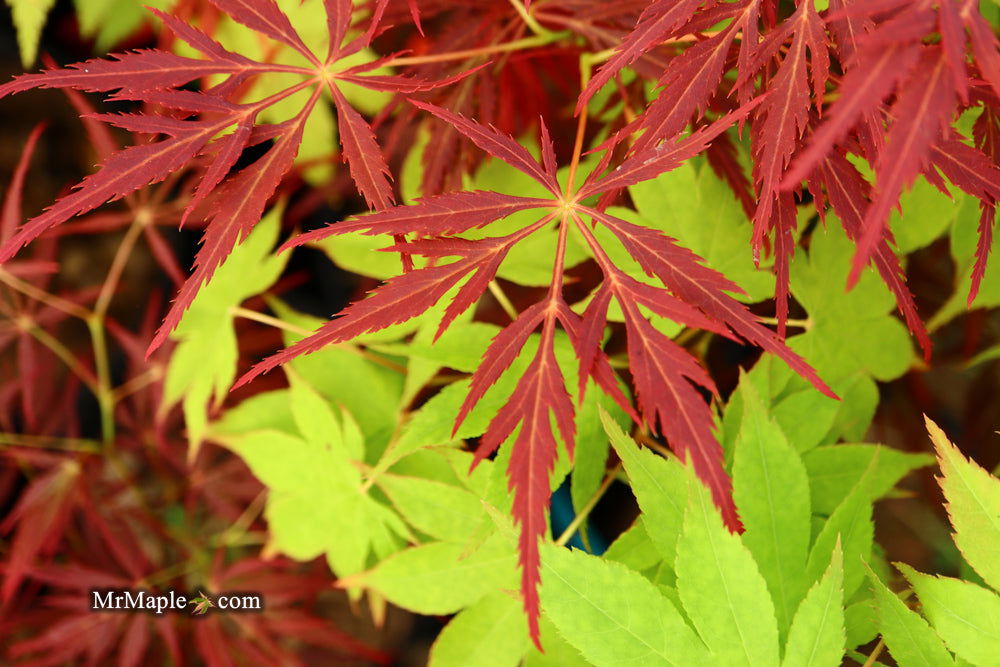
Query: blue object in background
[(562, 515)]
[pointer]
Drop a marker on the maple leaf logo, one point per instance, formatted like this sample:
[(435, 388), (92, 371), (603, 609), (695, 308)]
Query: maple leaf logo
[(202, 604)]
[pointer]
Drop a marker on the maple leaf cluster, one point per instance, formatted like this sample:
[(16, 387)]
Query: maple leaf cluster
[(816, 92)]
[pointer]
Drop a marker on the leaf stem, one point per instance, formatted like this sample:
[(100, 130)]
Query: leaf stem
[(142, 218), (515, 45), (41, 295), (802, 324), (876, 652), (529, 20), (502, 299), (654, 445), (248, 314), (601, 56), (61, 351), (105, 392), (239, 528), (137, 383), (581, 128), (95, 324), (588, 508), (46, 442)]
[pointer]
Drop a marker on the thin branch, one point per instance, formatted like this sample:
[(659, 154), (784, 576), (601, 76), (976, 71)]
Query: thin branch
[(876, 652), (46, 442), (502, 299), (138, 383), (589, 507), (581, 128), (248, 314), (41, 295), (61, 351), (516, 45), (529, 20)]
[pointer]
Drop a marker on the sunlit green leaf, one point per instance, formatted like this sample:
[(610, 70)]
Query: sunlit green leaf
[(660, 486), (816, 636), (966, 616), (203, 365), (489, 632), (694, 206), (910, 640), (835, 469), (29, 19), (440, 510), (442, 577), (973, 497), (722, 589), (614, 616), (772, 493)]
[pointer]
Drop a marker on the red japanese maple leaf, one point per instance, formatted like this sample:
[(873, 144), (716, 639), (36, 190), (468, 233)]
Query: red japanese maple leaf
[(893, 76), (665, 376), (155, 77)]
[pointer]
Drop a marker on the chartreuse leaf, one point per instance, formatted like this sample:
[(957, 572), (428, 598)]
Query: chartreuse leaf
[(787, 397), (804, 434), (835, 469), (861, 622), (692, 205), (851, 526), (360, 254), (966, 616), (592, 445), (910, 640), (476, 480), (203, 365), (316, 421), (924, 212), (461, 346), (722, 589), (634, 548), (490, 633), (771, 489), (316, 503), (440, 510), (817, 636), (374, 408), (558, 652), (964, 238), (973, 497), (849, 331), (659, 485), (111, 21), (612, 615), (29, 19), (442, 577), (427, 464), (269, 410), (851, 337), (432, 424)]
